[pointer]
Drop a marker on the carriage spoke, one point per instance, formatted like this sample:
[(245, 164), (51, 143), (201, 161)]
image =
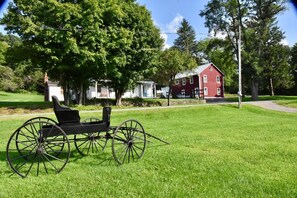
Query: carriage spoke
[(30, 131), (26, 136), (19, 157), (38, 165), (49, 155), (135, 151), (26, 147), (96, 146), (131, 149), (89, 147), (138, 147), (83, 143), (29, 169), (45, 168), (50, 162)]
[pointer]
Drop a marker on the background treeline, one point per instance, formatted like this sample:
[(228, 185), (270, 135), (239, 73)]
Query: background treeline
[(17, 74), (77, 42)]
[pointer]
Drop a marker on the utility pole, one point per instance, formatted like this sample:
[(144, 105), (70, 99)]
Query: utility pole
[(239, 69)]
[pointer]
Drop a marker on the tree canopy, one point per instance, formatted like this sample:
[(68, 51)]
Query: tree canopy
[(257, 20), (173, 61), (78, 40)]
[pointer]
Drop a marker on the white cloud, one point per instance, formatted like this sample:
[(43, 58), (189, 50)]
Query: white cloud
[(219, 35), (165, 38), (173, 25), (284, 42)]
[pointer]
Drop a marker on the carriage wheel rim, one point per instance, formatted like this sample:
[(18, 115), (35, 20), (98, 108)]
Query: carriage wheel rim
[(129, 142), (39, 154)]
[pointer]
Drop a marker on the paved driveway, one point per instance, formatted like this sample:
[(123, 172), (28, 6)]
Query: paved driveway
[(272, 106)]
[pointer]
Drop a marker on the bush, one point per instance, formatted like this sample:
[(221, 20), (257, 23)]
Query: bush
[(8, 80)]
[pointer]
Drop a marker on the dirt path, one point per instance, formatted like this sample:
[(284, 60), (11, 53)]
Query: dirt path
[(272, 106)]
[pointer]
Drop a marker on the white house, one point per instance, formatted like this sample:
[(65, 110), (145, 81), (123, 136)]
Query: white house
[(143, 89)]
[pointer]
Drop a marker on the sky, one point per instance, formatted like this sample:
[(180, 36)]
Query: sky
[(168, 14)]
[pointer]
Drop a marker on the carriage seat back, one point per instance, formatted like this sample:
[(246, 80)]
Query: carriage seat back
[(106, 115), (65, 115)]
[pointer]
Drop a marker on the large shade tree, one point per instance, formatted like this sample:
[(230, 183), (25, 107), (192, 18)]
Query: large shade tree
[(78, 40), (254, 19), (133, 44)]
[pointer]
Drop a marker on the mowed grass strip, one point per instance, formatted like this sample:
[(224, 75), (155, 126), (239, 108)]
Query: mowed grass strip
[(215, 151)]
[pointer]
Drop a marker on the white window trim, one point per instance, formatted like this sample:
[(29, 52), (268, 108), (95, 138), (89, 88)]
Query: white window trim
[(219, 91), (183, 92), (205, 78), (184, 81), (191, 80), (177, 82), (218, 79), (196, 91)]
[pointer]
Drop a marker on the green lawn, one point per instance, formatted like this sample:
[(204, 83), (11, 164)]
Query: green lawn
[(215, 151)]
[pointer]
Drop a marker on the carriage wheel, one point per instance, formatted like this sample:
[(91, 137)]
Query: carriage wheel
[(129, 142), (43, 119), (31, 150), (90, 143)]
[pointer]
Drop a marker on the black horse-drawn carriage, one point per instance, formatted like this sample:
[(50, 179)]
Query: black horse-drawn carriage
[(41, 145)]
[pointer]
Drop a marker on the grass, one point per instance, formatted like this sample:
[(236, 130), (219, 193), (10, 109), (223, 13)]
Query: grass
[(215, 151)]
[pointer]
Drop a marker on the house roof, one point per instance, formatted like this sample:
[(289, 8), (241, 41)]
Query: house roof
[(196, 71)]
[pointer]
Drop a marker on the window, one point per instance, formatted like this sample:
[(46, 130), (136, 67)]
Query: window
[(184, 81), (205, 78), (191, 80), (218, 79), (177, 82), (210, 69), (183, 92), (196, 92), (218, 91), (205, 91)]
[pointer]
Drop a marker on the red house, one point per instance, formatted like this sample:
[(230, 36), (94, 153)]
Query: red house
[(206, 81)]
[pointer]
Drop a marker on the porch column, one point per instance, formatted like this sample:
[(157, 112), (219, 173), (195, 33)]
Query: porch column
[(141, 90), (155, 90)]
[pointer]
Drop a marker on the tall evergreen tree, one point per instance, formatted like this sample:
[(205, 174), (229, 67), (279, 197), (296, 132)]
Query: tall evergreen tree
[(186, 38)]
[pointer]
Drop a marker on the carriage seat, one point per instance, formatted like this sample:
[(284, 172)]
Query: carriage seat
[(64, 114)]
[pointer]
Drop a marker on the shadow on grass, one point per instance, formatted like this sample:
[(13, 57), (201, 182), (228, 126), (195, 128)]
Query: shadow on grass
[(26, 105)]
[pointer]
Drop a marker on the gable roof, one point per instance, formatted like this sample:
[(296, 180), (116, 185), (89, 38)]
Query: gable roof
[(197, 71)]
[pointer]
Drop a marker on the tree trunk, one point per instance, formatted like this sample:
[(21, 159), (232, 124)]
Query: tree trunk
[(66, 94), (169, 93), (254, 89), (271, 87), (80, 94), (118, 98)]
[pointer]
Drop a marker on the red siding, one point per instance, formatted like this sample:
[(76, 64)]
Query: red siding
[(212, 85)]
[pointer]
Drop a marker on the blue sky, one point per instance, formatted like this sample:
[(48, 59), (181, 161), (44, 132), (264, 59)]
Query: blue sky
[(167, 15)]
